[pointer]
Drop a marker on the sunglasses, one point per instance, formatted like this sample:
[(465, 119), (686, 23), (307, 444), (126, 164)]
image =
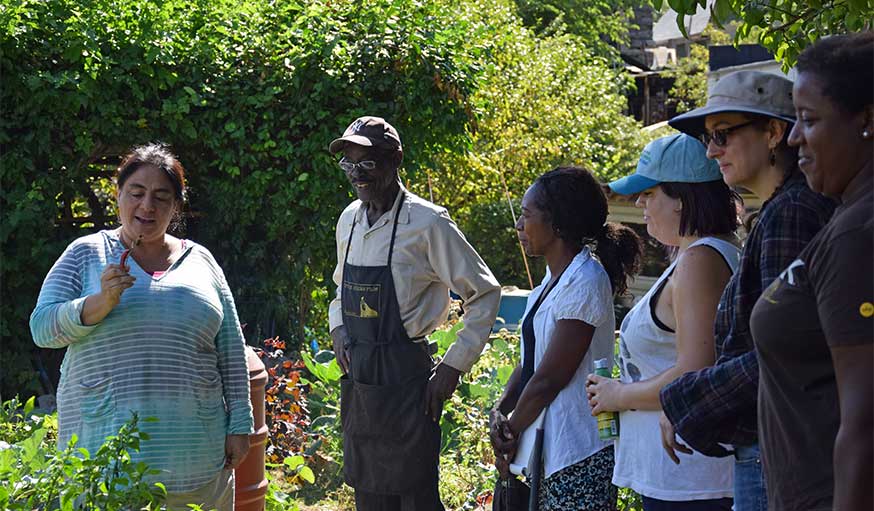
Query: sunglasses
[(720, 136), (349, 167)]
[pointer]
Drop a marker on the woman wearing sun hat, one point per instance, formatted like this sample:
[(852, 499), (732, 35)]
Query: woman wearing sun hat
[(688, 208), (745, 125)]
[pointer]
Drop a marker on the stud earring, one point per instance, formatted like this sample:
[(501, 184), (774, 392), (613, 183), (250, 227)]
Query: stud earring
[(866, 134)]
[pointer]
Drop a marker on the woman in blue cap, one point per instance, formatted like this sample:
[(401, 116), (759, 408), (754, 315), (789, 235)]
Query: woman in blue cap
[(688, 208), (745, 125)]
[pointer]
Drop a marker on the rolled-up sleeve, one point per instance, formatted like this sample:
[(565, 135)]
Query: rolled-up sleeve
[(56, 322), (461, 268)]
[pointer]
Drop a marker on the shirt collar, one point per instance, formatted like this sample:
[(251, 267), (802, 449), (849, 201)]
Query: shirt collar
[(575, 263), (403, 214), (860, 186)]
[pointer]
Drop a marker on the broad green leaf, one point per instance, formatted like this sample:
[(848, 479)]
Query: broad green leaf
[(504, 373), (682, 25), (29, 406), (306, 473), (722, 10), (293, 462), (476, 390)]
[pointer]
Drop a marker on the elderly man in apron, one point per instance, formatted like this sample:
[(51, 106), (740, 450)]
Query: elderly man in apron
[(398, 256)]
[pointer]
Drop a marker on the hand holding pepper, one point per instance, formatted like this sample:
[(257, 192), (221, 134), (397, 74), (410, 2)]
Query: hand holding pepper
[(113, 281)]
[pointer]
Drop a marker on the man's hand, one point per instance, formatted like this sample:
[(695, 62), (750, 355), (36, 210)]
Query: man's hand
[(669, 439), (341, 338), (440, 387), (236, 448)]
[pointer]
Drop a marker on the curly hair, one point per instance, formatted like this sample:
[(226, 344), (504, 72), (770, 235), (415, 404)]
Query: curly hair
[(843, 63), (575, 204)]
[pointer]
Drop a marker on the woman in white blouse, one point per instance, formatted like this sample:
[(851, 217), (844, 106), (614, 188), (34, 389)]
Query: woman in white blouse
[(568, 324)]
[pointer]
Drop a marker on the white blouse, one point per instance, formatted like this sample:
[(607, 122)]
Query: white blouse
[(583, 293)]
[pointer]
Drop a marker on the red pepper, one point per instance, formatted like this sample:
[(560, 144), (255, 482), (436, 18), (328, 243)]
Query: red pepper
[(127, 251), (124, 256)]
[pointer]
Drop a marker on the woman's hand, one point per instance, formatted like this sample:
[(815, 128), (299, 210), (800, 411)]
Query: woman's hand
[(501, 436), (113, 282), (669, 439), (605, 394), (236, 448), (502, 463)]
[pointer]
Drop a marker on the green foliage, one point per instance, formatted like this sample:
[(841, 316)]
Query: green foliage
[(35, 475), (249, 94), (313, 475), (492, 223), (787, 26), (543, 101), (328, 372), (466, 448), (690, 74), (599, 24)]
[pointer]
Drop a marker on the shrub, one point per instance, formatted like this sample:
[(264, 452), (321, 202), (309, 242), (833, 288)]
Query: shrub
[(249, 94), (35, 475)]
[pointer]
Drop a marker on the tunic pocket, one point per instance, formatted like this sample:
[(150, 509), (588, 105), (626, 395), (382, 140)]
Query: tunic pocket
[(209, 398), (210, 405), (98, 401)]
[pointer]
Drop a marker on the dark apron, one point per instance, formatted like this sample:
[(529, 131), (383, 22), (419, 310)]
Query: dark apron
[(389, 445)]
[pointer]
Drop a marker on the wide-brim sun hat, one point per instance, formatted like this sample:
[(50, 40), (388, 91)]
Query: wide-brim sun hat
[(676, 158), (749, 92)]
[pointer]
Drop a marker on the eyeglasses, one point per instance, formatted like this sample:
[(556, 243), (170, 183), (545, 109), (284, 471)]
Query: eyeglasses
[(720, 136), (349, 167)]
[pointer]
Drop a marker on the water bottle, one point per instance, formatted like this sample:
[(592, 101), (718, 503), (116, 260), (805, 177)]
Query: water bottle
[(608, 422)]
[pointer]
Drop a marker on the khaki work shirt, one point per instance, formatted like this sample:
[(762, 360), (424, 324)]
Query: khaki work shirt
[(431, 256)]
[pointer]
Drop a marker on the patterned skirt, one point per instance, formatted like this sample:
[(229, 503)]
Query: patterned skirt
[(584, 486)]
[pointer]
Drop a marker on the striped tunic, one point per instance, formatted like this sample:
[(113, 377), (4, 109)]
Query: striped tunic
[(171, 349)]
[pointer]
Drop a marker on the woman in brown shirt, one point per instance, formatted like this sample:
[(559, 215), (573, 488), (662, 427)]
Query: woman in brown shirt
[(814, 326)]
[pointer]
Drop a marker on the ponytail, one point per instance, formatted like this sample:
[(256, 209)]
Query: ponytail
[(620, 251)]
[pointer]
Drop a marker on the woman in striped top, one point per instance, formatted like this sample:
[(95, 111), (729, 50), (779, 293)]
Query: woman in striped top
[(156, 333)]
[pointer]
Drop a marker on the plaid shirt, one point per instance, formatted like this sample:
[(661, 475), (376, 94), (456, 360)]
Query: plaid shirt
[(718, 404)]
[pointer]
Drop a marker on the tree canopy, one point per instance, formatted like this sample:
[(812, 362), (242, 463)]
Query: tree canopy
[(786, 26), (249, 94)]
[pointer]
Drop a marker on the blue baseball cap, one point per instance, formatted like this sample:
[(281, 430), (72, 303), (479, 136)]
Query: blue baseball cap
[(675, 159)]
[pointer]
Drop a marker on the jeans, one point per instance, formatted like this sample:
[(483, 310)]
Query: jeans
[(650, 504), (749, 479)]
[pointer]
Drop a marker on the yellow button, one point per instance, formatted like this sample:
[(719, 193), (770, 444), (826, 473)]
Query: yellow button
[(866, 309)]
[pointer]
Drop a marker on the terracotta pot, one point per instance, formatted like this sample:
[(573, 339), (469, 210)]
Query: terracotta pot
[(251, 483)]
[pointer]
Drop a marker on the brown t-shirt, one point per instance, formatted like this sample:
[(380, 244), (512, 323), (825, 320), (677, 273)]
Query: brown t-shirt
[(823, 299)]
